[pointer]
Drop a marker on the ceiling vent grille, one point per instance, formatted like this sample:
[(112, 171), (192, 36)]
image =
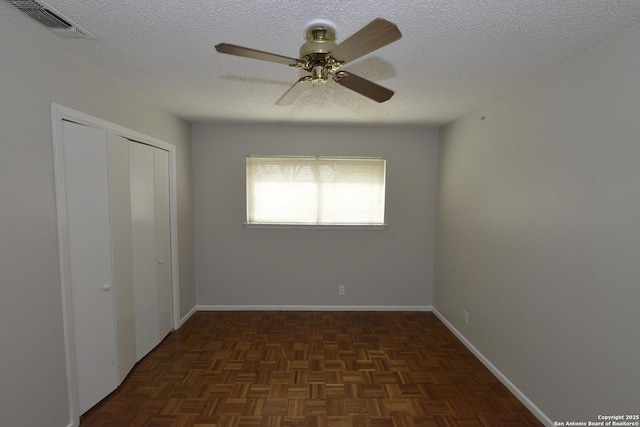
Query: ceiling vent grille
[(50, 18)]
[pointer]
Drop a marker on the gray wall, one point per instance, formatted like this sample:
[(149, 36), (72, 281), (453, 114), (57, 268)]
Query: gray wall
[(33, 73), (538, 233), (247, 267)]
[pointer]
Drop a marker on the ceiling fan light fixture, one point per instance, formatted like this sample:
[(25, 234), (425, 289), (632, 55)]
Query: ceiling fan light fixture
[(322, 57), (319, 74)]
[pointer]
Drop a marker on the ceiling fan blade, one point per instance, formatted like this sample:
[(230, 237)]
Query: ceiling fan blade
[(295, 91), (374, 35), (363, 86), (247, 52)]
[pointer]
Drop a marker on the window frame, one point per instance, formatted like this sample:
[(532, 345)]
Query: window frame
[(301, 225)]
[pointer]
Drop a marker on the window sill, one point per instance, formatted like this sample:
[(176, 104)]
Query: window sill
[(317, 226)]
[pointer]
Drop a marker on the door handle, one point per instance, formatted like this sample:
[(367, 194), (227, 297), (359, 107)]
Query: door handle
[(106, 286), (160, 261)]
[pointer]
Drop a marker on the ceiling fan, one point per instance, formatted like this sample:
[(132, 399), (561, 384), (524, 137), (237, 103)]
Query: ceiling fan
[(322, 57)]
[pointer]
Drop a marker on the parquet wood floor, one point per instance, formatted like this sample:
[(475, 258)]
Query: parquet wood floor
[(311, 369)]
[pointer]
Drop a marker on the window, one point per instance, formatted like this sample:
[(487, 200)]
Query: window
[(315, 190)]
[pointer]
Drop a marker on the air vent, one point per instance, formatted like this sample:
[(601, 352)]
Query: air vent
[(50, 18)]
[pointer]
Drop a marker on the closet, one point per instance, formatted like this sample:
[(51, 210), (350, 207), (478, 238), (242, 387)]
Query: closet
[(116, 203)]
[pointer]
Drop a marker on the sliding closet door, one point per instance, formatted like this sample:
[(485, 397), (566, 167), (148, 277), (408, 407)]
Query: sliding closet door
[(86, 183), (152, 292)]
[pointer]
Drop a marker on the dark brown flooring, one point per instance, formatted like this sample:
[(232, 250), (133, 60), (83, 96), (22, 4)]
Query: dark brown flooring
[(342, 369)]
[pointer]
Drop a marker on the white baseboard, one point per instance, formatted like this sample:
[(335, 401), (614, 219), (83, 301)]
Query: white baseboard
[(311, 308), (503, 379), (188, 315)]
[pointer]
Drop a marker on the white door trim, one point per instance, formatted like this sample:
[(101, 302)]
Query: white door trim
[(58, 114)]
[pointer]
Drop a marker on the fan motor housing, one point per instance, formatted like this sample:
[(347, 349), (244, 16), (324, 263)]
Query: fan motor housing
[(320, 41)]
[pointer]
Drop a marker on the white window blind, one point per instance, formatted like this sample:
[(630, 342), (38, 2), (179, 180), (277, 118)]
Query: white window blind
[(315, 190)]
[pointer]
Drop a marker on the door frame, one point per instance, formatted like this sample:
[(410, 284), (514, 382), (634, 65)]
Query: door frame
[(58, 114)]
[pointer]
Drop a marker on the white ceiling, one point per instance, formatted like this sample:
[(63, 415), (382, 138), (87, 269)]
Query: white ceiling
[(455, 55)]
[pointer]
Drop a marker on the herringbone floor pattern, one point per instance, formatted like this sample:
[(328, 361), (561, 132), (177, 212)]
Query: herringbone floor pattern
[(324, 369)]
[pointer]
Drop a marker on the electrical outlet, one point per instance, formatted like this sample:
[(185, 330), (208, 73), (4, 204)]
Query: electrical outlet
[(466, 317), (341, 290)]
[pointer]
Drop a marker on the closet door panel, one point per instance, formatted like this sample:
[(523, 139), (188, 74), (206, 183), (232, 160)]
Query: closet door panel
[(120, 191), (163, 240), (144, 247), (86, 183)]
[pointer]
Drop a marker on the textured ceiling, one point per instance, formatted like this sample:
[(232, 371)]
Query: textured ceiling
[(454, 56)]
